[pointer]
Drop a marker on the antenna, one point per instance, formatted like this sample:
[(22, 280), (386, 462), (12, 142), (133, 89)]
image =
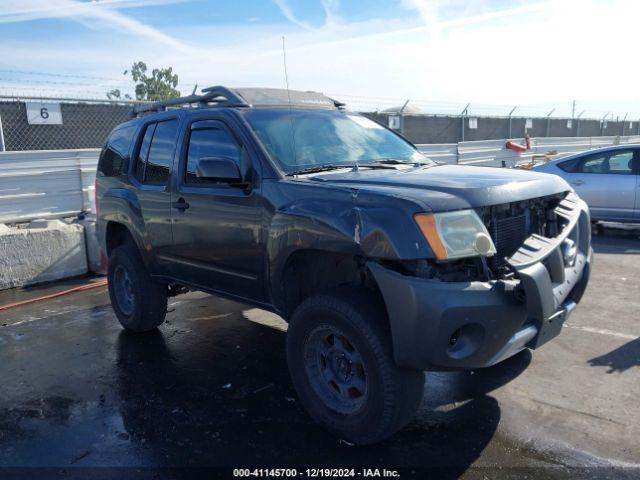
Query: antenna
[(284, 61), (286, 81)]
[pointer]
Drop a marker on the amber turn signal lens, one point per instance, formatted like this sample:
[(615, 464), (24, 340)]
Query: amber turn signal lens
[(427, 224)]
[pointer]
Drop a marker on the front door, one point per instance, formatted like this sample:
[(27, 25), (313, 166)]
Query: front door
[(608, 183), (217, 230)]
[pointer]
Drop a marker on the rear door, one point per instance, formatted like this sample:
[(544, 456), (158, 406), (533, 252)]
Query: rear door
[(608, 182), (153, 158), (216, 225)]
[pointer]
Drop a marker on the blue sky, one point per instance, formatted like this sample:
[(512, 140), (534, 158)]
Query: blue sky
[(440, 54)]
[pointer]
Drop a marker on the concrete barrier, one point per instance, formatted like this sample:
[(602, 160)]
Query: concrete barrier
[(41, 251), (94, 252)]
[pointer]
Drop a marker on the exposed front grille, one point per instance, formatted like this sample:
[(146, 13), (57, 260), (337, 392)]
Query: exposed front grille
[(508, 234), (510, 224)]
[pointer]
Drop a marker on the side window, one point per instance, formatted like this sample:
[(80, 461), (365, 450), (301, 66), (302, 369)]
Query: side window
[(112, 157), (110, 163), (621, 163), (616, 163), (155, 156), (211, 141), (570, 165), (161, 153), (143, 152), (596, 164)]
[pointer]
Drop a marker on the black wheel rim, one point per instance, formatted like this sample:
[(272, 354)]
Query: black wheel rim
[(123, 288), (336, 370)]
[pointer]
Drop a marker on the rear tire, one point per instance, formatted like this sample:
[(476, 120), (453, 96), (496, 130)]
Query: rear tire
[(140, 303), (341, 363)]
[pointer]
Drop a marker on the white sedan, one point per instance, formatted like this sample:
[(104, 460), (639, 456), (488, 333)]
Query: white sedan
[(606, 178)]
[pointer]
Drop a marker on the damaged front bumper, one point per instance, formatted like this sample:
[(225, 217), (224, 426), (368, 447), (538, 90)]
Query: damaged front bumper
[(463, 325)]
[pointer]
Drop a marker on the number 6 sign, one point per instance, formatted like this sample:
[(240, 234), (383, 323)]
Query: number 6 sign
[(44, 113)]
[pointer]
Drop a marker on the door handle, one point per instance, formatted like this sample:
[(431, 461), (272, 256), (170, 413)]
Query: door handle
[(181, 205), (577, 182)]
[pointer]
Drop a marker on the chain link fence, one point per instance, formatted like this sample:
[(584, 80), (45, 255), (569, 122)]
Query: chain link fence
[(79, 124), (76, 124)]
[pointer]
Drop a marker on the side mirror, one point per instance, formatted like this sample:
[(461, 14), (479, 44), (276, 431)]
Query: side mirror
[(218, 169)]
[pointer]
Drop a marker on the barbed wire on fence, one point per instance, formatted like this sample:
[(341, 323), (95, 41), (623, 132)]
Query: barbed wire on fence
[(86, 119), (21, 83)]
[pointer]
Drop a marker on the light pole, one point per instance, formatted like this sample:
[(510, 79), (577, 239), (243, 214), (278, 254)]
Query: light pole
[(549, 120), (462, 117), (402, 116), (602, 122), (578, 123), (511, 113)]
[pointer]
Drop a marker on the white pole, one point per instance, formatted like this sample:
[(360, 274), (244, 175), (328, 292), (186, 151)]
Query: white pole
[(2, 147)]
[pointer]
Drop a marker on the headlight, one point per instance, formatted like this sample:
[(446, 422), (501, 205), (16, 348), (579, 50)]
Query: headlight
[(455, 234)]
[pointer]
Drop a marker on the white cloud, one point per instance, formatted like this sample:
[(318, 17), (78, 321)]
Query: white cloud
[(330, 8), (26, 10), (12, 11), (536, 56), (289, 15), (428, 12)]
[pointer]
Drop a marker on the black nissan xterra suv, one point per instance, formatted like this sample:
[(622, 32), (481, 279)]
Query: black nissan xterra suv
[(384, 263)]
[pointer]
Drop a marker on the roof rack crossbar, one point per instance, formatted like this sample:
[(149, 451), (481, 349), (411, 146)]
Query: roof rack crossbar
[(225, 92), (338, 104), (223, 95)]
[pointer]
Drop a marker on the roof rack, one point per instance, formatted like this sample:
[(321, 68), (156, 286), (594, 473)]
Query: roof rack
[(339, 105), (220, 95)]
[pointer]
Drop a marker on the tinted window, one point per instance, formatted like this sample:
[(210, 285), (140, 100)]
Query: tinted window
[(621, 163), (143, 152), (209, 142), (111, 162), (569, 165), (160, 156), (594, 165), (112, 158), (612, 163)]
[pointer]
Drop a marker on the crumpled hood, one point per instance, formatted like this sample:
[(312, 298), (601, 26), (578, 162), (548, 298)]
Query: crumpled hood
[(450, 187)]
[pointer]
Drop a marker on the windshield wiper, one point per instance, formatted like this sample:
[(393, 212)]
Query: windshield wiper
[(396, 161), (385, 163), (317, 168)]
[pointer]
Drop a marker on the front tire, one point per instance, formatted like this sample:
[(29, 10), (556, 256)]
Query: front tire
[(341, 363), (140, 303)]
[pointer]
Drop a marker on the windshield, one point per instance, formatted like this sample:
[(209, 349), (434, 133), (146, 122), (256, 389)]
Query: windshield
[(303, 139)]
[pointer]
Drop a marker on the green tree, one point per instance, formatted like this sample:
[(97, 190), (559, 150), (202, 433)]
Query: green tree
[(160, 85), (116, 94)]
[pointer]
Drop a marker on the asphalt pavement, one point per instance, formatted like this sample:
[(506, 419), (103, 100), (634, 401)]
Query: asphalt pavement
[(209, 392)]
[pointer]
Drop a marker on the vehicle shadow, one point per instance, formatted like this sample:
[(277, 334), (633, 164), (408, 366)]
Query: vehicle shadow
[(616, 240), (217, 393), (621, 359)]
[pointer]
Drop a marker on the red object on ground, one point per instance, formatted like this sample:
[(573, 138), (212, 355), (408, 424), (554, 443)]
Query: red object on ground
[(517, 147), (81, 288)]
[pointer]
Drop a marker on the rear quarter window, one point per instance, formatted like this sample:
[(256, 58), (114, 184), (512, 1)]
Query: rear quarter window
[(569, 165), (112, 160)]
